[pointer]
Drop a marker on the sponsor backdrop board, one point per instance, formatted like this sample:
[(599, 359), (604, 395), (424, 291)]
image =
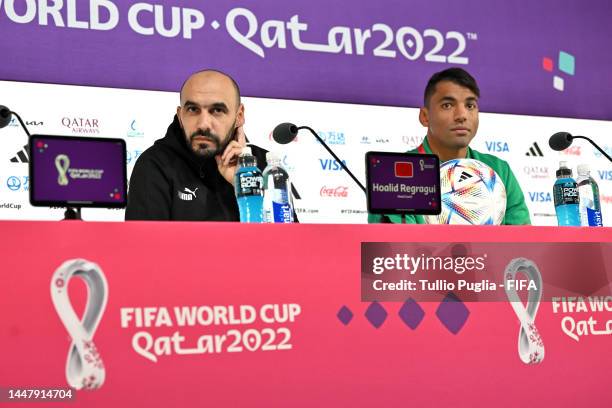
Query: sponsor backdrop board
[(290, 331), (328, 195), (544, 58)]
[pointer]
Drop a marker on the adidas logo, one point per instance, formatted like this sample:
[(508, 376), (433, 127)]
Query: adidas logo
[(535, 151), (464, 176), (187, 195), (21, 156)]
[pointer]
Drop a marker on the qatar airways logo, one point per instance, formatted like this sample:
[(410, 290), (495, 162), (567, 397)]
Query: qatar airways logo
[(413, 141), (537, 172), (334, 192), (77, 125)]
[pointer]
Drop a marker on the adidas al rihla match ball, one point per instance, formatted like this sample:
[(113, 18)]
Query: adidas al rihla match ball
[(472, 193)]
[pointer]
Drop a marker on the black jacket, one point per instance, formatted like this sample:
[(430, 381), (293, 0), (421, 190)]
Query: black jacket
[(169, 182)]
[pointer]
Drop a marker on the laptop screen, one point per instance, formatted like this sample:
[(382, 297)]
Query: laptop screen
[(77, 172), (403, 183)]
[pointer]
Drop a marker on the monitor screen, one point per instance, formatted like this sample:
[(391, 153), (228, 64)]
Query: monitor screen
[(68, 171), (403, 183)]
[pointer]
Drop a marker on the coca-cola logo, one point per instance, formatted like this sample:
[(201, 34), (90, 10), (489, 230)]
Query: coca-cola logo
[(606, 199), (340, 191), (572, 151)]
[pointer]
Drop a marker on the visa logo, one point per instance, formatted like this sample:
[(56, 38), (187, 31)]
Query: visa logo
[(605, 174), (539, 197), (497, 146), (332, 165)]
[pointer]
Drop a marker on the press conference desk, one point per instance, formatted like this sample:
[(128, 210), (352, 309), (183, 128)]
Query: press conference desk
[(253, 315)]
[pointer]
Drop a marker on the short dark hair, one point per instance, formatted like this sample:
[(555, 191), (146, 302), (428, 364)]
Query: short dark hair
[(234, 83), (457, 76)]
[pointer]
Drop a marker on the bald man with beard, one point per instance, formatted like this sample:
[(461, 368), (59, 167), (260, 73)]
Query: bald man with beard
[(188, 175)]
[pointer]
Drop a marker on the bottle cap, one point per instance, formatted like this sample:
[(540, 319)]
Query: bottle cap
[(583, 169), (564, 171), (273, 158), (246, 151)]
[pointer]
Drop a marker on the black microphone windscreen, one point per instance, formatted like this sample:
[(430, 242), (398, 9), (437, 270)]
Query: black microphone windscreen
[(284, 133), (5, 116), (560, 141)]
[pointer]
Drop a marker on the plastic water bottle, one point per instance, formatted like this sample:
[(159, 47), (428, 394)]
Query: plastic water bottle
[(248, 184), (277, 192), (590, 208), (565, 191)]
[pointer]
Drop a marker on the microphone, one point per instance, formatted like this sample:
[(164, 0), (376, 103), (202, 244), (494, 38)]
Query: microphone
[(286, 132), (5, 118), (562, 140)]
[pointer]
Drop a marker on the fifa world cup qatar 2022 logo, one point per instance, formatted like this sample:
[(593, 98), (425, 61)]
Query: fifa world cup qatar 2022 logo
[(84, 367), (62, 164), (530, 345)]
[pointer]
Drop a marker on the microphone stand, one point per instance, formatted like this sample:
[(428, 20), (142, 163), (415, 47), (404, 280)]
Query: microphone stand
[(334, 156), (594, 144), (72, 213)]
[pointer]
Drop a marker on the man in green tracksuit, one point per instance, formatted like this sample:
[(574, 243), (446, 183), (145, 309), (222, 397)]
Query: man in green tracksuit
[(450, 115)]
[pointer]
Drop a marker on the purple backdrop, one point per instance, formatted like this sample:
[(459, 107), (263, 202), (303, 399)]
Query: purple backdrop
[(506, 43)]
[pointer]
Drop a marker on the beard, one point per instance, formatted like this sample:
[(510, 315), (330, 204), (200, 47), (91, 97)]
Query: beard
[(204, 150)]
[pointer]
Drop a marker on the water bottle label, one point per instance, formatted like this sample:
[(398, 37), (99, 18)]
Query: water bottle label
[(250, 184), (566, 193), (594, 217), (282, 212)]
